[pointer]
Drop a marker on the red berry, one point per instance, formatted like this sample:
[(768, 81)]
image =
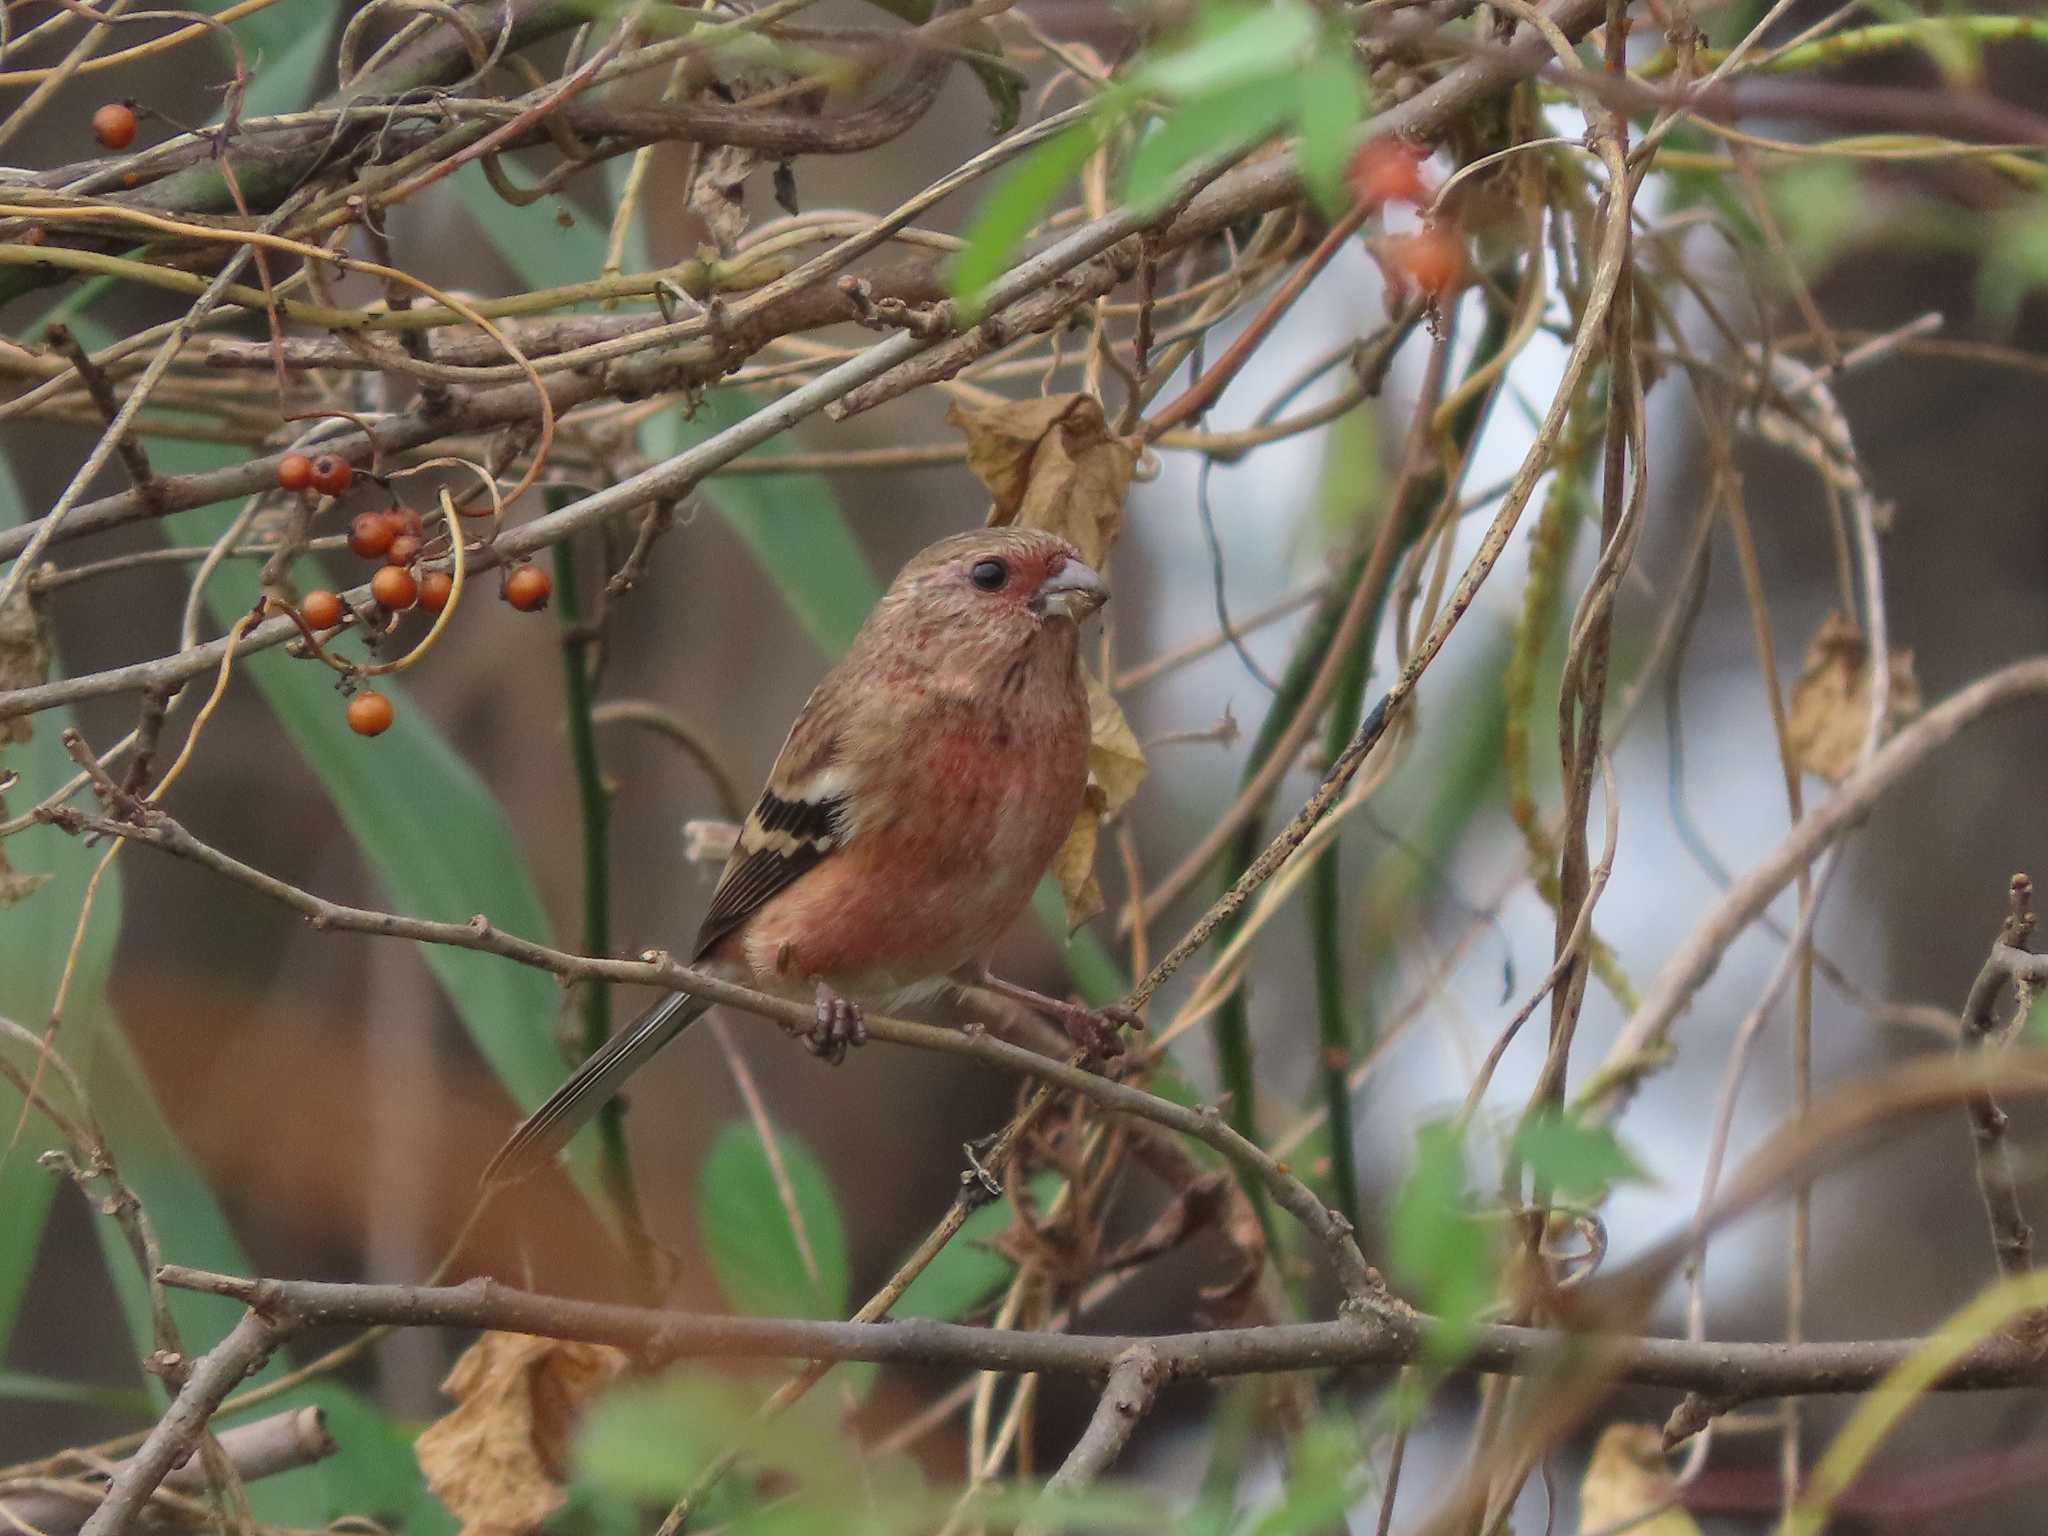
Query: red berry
[(404, 549), (1431, 261), (370, 714), (294, 472), (395, 588), (331, 474), (321, 610), (435, 589), (114, 125), (1388, 171), (528, 588), (370, 535)]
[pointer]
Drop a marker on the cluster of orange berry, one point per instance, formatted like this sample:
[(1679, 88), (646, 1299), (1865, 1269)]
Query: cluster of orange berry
[(1430, 260), (395, 537)]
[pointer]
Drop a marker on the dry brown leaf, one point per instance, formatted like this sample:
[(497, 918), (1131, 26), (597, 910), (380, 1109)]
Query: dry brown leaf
[(1116, 767), (499, 1458), (24, 662), (1628, 1477), (16, 886), (1830, 706), (1053, 463), (24, 658)]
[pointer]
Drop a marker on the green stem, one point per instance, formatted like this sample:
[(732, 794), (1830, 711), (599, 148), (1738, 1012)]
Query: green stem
[(594, 803), (1231, 1027), (1325, 899), (1937, 34)]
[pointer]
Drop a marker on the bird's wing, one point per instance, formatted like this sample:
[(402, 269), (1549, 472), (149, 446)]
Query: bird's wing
[(800, 819)]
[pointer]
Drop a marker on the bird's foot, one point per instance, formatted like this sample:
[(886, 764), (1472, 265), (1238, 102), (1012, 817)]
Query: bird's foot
[(1093, 1029), (839, 1025)]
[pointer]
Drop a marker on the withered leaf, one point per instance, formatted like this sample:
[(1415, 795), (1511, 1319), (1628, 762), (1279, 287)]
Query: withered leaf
[(1053, 463), (1116, 767), (24, 658), (1626, 1479), (499, 1458), (24, 662), (1190, 1211), (1830, 705), (16, 885)]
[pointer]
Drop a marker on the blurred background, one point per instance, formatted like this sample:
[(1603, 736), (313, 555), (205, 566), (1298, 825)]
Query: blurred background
[(325, 1089)]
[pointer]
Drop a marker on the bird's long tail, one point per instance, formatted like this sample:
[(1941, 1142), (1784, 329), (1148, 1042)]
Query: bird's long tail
[(570, 1107)]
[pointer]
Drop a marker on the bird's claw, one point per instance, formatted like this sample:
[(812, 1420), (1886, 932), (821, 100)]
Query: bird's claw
[(839, 1025), (1095, 1029)]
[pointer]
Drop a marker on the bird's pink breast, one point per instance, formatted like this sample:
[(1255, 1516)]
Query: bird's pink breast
[(968, 810)]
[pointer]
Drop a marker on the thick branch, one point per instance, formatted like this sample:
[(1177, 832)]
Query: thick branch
[(282, 1443), (1248, 190), (1128, 1396), (1360, 1283), (1739, 1370), (213, 1377)]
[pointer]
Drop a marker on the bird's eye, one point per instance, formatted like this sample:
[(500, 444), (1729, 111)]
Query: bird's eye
[(989, 575)]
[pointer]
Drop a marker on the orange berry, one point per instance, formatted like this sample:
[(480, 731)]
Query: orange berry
[(435, 589), (331, 474), (370, 535), (294, 472), (528, 588), (114, 125), (321, 610), (1388, 171), (395, 587), (1431, 261), (404, 549), (370, 714)]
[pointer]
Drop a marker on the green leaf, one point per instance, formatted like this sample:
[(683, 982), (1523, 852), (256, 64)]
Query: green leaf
[(1579, 1159), (649, 1439), (1019, 199), (2016, 263), (1439, 1249), (39, 930), (1329, 107), (193, 1230), (1819, 205), (25, 1387), (745, 1228), (791, 524), (1231, 45), (968, 1270), (440, 844), (286, 57), (1234, 117), (189, 1222), (1325, 1468)]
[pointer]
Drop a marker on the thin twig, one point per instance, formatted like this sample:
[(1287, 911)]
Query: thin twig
[(2012, 1239)]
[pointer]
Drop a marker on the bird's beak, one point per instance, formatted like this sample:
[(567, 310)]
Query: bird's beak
[(1072, 592)]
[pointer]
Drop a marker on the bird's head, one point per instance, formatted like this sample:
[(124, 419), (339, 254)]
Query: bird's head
[(992, 593)]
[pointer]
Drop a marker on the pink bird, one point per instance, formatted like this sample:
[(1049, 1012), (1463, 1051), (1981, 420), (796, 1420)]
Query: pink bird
[(921, 794)]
